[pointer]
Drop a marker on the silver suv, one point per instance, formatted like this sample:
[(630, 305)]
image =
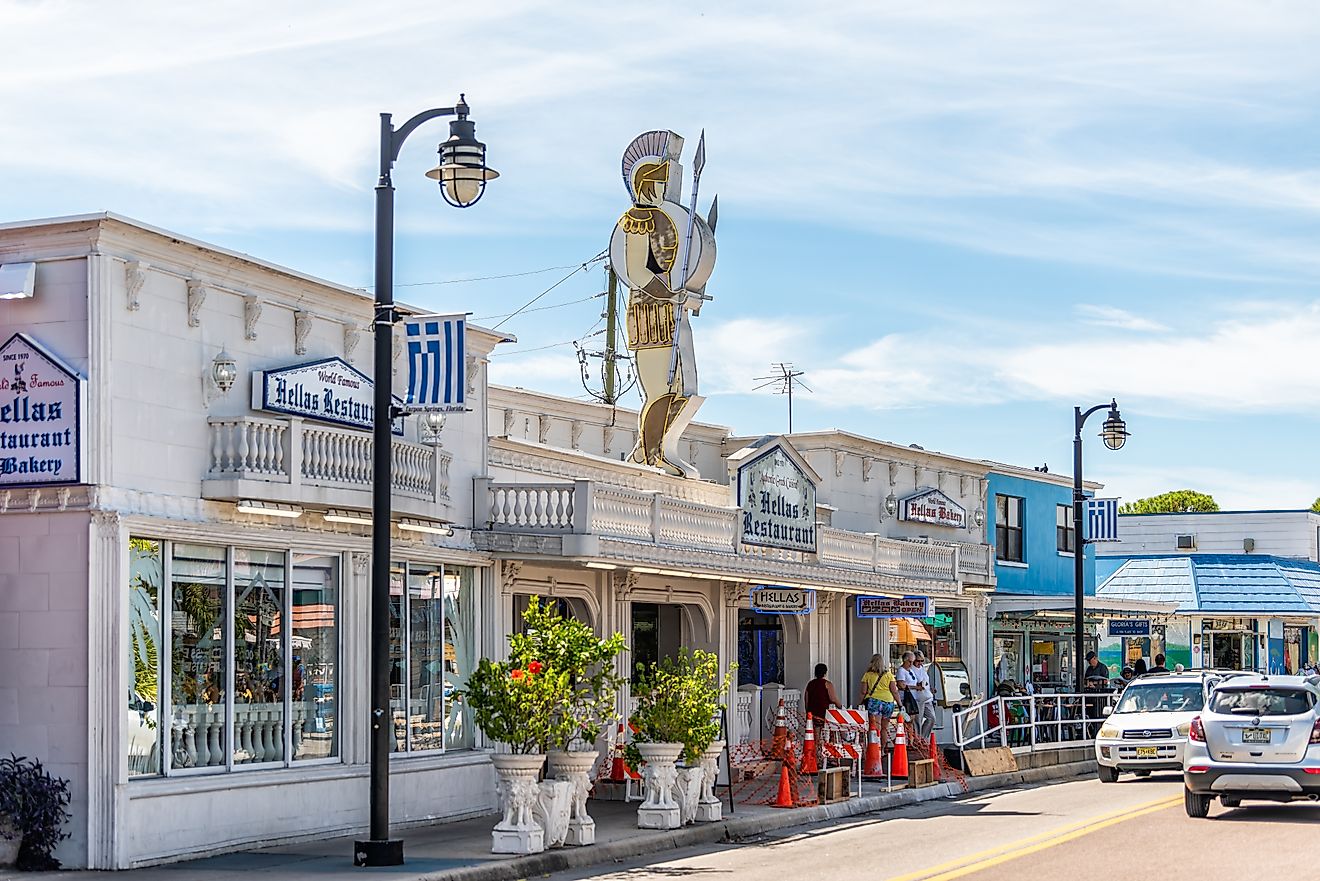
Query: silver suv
[(1258, 738)]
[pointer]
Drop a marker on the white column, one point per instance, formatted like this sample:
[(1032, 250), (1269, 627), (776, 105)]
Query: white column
[(107, 684)]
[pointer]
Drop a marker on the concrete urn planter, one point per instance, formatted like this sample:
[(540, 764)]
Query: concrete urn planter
[(8, 846), (709, 807), (519, 790), (659, 810), (575, 768)]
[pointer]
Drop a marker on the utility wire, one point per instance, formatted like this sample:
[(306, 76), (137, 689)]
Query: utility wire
[(542, 308), (580, 268), (419, 284), (585, 336)]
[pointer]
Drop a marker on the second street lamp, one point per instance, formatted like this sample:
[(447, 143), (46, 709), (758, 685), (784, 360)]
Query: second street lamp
[(462, 174), (1114, 433)]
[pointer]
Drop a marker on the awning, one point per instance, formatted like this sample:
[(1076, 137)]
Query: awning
[(1023, 605), (907, 631)]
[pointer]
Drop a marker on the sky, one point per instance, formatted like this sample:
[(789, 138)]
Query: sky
[(960, 220)]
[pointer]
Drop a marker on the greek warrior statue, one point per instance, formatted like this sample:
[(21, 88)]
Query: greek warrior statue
[(664, 253)]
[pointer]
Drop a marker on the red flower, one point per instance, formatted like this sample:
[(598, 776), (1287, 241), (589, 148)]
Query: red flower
[(534, 667), (516, 674)]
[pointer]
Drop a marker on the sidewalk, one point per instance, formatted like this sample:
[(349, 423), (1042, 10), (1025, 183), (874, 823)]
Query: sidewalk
[(460, 851)]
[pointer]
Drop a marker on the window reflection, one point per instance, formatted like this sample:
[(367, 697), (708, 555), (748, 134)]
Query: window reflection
[(143, 728), (315, 668), (197, 656)]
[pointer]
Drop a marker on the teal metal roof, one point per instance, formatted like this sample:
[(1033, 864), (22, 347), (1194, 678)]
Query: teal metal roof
[(1219, 583)]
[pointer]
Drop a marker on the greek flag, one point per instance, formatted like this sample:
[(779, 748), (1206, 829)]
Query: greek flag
[(437, 368), (1102, 520)]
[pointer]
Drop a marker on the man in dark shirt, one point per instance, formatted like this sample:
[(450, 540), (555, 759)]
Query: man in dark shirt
[(820, 697), (1097, 674), (1159, 665)]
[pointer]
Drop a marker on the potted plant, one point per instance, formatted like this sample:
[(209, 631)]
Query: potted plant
[(566, 645), (678, 704), (32, 813)]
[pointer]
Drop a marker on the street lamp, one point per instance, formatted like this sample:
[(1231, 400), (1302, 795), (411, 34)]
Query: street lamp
[(462, 174), (1114, 433)]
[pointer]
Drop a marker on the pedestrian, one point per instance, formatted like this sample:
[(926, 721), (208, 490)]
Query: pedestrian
[(1139, 668), (820, 697), (925, 718), (1159, 665), (1178, 668), (909, 683), (1097, 674), (880, 695)]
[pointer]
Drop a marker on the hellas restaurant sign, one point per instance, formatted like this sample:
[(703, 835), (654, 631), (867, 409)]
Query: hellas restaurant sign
[(330, 390), (41, 416), (777, 503)]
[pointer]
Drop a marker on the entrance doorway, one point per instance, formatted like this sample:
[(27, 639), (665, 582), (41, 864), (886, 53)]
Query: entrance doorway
[(760, 649), (1228, 651)]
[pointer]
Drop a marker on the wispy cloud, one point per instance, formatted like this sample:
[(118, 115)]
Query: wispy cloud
[(1112, 316)]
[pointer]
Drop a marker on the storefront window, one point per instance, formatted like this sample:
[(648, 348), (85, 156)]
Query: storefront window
[(1008, 528), (1065, 533), (432, 652), (315, 671), (259, 632), (146, 571), (237, 625), (1008, 659)]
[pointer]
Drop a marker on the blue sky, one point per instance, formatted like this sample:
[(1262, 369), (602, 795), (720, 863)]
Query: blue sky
[(960, 219)]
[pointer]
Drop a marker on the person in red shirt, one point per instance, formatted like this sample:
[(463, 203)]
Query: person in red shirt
[(820, 697)]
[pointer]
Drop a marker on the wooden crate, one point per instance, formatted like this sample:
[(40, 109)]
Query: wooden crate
[(832, 784), (921, 773)]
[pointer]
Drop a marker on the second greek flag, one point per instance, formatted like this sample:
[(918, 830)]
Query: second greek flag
[(1102, 520), (437, 367)]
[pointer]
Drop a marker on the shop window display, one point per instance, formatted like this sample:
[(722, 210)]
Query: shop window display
[(250, 655)]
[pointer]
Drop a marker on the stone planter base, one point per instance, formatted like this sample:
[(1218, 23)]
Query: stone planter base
[(575, 767), (709, 807), (8, 846), (553, 810), (659, 810), (518, 831)]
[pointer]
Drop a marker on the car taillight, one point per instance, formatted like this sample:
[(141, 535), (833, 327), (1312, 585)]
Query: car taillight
[(1198, 769), (1315, 732), (1197, 731)]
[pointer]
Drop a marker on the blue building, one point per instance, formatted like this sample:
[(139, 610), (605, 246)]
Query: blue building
[(1029, 520)]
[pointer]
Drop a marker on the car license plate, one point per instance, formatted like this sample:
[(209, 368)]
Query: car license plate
[(1147, 752), (1255, 735)]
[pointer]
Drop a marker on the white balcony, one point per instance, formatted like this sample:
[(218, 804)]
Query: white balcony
[(300, 462)]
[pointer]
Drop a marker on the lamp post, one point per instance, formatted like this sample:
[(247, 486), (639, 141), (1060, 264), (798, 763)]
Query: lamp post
[(1114, 433), (462, 175)]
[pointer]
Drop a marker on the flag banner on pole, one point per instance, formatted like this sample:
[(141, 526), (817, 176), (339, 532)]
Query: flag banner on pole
[(1102, 520), (437, 364)]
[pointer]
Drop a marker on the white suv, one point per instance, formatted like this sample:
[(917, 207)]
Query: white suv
[(1148, 728), (1258, 738)]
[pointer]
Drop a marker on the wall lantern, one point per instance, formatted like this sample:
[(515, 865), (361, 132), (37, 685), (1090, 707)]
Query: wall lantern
[(430, 426), (891, 505), (462, 172), (979, 517), (224, 371)]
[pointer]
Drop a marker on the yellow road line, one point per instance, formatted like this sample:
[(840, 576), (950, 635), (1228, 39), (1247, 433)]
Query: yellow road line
[(957, 868)]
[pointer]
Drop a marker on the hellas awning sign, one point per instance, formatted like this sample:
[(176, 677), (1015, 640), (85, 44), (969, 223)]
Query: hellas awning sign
[(41, 416), (774, 600), (329, 390)]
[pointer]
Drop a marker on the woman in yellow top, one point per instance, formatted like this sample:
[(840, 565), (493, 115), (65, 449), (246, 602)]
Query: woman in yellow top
[(880, 694)]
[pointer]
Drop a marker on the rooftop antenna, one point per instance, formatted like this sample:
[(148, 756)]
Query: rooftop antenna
[(783, 379)]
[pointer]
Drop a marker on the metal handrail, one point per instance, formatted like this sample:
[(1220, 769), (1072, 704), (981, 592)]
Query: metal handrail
[(1048, 722)]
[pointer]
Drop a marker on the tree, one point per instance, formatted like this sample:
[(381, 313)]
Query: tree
[(1315, 506), (1174, 502)]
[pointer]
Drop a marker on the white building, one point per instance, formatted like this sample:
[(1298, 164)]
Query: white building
[(1293, 534)]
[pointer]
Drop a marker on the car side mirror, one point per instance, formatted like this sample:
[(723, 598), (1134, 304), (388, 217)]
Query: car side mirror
[(1106, 710), (965, 689)]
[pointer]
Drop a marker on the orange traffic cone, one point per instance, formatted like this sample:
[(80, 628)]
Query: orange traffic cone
[(781, 732), (899, 761), (618, 768), (935, 756), (784, 799), (809, 749), (873, 766)]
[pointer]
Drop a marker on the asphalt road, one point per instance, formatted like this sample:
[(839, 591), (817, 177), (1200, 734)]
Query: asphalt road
[(1080, 830)]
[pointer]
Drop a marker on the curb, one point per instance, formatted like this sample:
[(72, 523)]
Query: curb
[(737, 828)]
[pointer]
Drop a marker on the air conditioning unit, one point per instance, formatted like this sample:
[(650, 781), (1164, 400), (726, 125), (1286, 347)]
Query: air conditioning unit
[(1185, 542), (1248, 545)]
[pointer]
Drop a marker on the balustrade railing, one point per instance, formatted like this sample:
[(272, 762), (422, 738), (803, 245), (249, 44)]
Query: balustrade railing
[(197, 734), (295, 452)]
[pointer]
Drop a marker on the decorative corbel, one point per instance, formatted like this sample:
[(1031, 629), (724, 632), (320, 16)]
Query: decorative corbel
[(510, 570), (735, 593), (302, 328), (962, 485), (508, 422), (893, 473), (624, 582), (196, 297), (352, 336), (575, 434), (607, 438), (135, 276), (360, 563), (543, 423), (251, 315), (472, 366), (693, 449), (839, 457), (867, 464)]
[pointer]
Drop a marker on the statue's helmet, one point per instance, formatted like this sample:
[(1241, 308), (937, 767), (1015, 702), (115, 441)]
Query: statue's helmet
[(646, 164)]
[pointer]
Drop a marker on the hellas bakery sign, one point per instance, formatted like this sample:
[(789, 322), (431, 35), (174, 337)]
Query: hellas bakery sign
[(40, 416), (933, 506)]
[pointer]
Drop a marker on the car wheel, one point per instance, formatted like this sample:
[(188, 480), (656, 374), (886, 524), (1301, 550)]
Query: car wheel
[(1142, 773), (1230, 801), (1106, 774), (1196, 805)]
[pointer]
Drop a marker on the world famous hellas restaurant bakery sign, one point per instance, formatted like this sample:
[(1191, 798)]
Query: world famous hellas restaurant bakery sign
[(41, 415)]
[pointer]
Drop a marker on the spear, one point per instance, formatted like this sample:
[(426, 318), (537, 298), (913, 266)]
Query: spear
[(698, 163)]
